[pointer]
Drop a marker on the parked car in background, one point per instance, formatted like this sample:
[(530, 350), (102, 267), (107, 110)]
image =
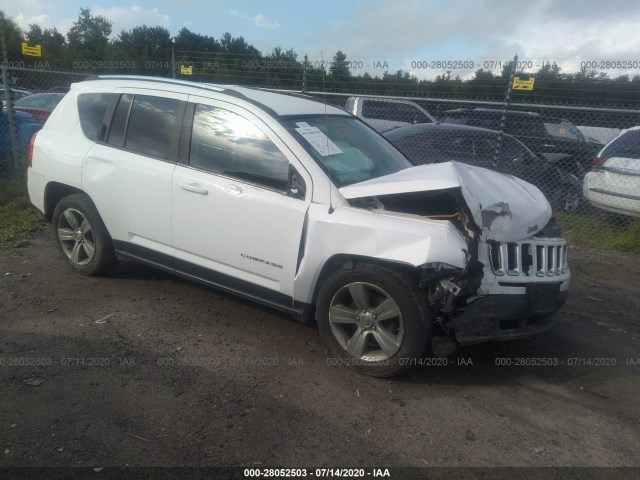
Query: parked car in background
[(614, 183), (25, 126), (384, 114), (16, 92), (59, 89), (556, 138), (321, 216), (601, 135), (436, 143), (40, 105)]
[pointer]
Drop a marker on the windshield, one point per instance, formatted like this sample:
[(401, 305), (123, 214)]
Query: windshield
[(346, 148)]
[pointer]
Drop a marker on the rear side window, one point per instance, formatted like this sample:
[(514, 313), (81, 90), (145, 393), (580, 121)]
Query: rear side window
[(226, 143), (376, 110), (119, 122), (91, 110), (151, 125), (455, 120), (561, 130)]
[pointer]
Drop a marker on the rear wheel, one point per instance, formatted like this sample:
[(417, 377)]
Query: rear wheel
[(566, 198), (375, 319), (82, 236)]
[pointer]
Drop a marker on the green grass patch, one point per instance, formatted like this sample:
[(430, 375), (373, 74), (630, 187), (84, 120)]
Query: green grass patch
[(18, 218), (598, 230)]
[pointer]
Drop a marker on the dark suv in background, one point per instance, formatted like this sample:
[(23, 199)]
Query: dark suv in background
[(556, 139), (427, 143)]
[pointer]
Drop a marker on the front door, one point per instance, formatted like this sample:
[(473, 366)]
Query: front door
[(232, 217)]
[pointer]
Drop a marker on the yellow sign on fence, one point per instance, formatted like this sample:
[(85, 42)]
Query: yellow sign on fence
[(186, 70), (33, 51), (523, 84)]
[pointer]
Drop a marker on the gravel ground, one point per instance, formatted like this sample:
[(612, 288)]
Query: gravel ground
[(140, 368)]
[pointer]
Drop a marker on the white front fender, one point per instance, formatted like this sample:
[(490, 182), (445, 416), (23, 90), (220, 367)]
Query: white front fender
[(406, 240)]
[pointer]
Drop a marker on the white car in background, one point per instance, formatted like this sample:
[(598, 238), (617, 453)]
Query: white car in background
[(385, 114), (601, 135), (614, 183)]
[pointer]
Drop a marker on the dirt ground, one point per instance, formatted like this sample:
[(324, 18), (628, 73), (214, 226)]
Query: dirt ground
[(141, 368)]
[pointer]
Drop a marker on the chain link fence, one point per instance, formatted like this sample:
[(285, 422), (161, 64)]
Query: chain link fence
[(586, 160), (28, 97)]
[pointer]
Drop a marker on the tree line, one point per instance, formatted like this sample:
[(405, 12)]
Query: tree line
[(89, 47)]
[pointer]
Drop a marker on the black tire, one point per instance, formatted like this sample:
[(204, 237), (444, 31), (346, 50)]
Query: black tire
[(81, 235), (351, 327), (618, 220), (565, 198)]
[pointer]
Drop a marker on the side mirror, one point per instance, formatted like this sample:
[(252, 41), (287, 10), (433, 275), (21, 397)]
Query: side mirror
[(296, 187)]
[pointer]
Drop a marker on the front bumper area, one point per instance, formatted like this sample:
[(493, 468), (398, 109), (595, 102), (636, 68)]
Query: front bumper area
[(507, 317)]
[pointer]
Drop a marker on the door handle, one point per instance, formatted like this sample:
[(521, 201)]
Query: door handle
[(234, 189), (194, 188)]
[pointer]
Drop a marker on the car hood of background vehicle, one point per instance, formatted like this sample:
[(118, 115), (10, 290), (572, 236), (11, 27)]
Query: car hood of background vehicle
[(504, 207)]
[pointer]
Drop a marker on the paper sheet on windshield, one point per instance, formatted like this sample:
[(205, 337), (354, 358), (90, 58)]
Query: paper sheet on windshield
[(318, 140)]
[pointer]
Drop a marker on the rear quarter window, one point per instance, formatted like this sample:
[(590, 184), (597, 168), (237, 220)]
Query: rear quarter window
[(91, 110), (626, 145)]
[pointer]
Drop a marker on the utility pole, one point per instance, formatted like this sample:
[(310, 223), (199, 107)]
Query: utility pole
[(304, 73), (173, 56), (503, 120)]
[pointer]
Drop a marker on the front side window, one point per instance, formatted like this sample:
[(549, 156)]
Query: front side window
[(453, 144), (347, 149), (410, 114), (511, 150), (226, 143)]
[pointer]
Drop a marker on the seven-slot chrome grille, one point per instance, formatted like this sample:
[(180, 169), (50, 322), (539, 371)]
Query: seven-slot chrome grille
[(529, 258)]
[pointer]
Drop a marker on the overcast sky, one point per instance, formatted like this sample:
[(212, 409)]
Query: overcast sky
[(387, 34)]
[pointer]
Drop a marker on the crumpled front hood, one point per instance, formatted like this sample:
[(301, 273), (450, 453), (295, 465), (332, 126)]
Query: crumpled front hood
[(504, 207)]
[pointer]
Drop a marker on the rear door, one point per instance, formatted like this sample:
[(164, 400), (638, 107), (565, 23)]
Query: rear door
[(128, 175), (233, 221)]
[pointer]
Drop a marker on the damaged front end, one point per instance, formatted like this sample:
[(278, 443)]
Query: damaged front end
[(516, 274)]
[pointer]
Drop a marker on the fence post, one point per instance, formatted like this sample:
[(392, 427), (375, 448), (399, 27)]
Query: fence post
[(304, 73), (503, 120), (13, 134)]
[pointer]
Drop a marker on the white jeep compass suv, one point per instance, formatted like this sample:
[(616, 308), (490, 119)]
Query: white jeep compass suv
[(299, 206)]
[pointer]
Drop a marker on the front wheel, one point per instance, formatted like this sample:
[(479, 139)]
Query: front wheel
[(375, 319), (82, 236)]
